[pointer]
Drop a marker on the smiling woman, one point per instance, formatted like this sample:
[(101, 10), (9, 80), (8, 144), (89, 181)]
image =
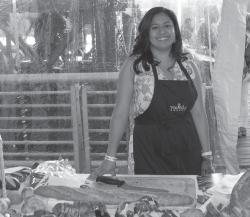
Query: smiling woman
[(162, 33), (165, 140)]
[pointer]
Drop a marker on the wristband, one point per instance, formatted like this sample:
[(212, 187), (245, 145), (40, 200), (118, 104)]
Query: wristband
[(206, 154), (110, 158)]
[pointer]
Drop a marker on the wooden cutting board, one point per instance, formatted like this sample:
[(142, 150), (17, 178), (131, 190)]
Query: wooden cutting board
[(180, 185), (174, 184), (180, 189)]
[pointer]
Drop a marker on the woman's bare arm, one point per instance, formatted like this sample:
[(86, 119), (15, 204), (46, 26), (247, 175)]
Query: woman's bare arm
[(120, 115), (199, 114)]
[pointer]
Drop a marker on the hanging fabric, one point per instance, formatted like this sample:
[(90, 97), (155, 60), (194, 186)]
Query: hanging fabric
[(227, 78)]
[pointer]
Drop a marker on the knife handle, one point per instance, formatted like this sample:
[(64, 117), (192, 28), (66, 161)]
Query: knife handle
[(110, 181)]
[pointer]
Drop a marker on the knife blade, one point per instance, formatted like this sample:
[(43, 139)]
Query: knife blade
[(122, 184)]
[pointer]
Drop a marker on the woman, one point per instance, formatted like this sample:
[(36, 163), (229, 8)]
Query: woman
[(171, 129)]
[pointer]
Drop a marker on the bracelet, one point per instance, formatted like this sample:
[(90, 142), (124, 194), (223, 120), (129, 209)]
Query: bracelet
[(206, 154), (110, 158)]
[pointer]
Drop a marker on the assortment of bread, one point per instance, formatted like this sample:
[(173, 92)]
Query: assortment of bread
[(26, 201)]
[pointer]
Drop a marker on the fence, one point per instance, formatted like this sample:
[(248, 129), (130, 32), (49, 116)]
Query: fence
[(66, 116), (72, 121)]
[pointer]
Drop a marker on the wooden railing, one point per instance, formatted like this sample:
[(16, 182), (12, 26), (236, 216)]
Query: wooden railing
[(24, 151), (89, 101), (87, 110)]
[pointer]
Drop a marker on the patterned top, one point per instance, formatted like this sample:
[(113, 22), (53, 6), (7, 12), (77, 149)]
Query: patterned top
[(144, 84)]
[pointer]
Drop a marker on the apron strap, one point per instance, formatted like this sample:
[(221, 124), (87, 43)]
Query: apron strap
[(154, 72), (184, 70), (190, 81)]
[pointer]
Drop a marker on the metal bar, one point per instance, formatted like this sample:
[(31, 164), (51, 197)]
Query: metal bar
[(64, 77), (30, 142), (35, 154), (118, 155), (34, 130), (34, 105), (92, 142), (36, 118), (33, 92)]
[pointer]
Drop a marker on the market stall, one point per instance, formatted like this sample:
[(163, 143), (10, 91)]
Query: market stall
[(53, 188)]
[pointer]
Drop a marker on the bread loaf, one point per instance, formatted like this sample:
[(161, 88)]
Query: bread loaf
[(113, 196), (240, 198), (192, 213)]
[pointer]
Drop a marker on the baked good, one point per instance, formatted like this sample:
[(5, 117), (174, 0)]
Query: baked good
[(192, 213), (240, 198)]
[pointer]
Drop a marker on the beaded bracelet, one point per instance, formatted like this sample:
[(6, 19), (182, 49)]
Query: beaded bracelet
[(206, 154), (110, 158)]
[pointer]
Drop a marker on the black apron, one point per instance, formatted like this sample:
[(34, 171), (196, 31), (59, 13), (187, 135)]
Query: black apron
[(165, 139)]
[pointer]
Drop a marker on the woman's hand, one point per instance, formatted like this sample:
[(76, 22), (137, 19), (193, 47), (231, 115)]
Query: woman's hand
[(206, 167), (107, 167)]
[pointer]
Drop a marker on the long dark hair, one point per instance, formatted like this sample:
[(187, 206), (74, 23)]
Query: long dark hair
[(142, 49)]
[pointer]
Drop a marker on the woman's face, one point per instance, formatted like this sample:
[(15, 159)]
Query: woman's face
[(161, 33)]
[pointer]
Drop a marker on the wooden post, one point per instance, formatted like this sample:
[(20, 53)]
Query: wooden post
[(4, 192), (85, 145), (76, 125)]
